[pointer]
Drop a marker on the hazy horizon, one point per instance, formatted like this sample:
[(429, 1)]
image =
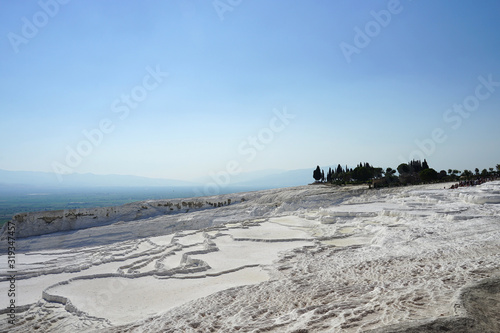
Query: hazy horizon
[(186, 90)]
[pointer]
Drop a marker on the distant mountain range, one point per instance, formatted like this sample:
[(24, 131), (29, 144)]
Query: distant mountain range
[(47, 179), (284, 178), (263, 179)]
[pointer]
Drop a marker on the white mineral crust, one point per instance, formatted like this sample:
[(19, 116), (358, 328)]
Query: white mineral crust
[(303, 259)]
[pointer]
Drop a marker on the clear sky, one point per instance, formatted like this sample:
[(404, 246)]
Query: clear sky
[(251, 85)]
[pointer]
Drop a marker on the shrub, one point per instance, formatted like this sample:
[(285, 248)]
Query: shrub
[(428, 175)]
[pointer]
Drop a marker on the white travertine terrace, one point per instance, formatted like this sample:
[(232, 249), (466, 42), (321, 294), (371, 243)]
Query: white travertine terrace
[(304, 259)]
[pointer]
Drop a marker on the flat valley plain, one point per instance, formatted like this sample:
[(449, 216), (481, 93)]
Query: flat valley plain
[(22, 199)]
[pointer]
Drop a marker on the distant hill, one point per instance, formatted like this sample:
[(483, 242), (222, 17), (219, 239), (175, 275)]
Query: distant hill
[(239, 178), (280, 179), (47, 179), (271, 178)]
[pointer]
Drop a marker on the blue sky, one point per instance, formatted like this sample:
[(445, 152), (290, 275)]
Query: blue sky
[(69, 68)]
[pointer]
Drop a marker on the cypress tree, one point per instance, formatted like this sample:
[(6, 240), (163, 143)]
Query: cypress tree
[(317, 174), (425, 165)]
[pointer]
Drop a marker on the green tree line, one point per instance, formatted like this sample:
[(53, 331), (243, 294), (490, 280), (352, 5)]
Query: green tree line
[(413, 172)]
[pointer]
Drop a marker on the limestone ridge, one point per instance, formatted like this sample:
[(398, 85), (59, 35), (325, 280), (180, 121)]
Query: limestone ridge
[(46, 222)]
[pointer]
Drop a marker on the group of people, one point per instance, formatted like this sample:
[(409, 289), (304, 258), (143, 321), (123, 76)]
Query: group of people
[(474, 182)]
